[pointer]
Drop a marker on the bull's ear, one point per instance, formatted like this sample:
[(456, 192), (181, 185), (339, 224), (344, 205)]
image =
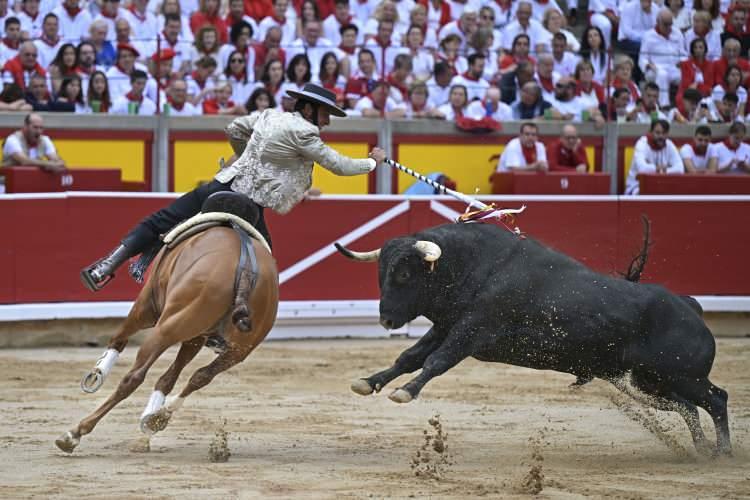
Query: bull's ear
[(430, 251), (370, 256)]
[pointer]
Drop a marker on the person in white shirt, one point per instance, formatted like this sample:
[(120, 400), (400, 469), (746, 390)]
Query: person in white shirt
[(565, 62), (379, 104), (700, 156), (647, 109), (457, 104), (636, 18), (341, 17), (464, 28), (439, 86), (604, 15), (491, 106), (134, 102), (525, 24), (310, 43), (30, 147), (662, 49), (654, 154), (109, 13), (178, 102), (74, 21), (12, 41), (524, 153), (702, 29), (472, 78), (568, 104), (31, 18), (288, 25), (50, 42), (143, 23), (733, 153)]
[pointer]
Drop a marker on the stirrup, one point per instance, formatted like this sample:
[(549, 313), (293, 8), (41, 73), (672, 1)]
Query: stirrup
[(88, 280)]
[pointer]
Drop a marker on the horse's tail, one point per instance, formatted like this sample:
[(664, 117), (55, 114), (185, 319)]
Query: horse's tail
[(635, 269)]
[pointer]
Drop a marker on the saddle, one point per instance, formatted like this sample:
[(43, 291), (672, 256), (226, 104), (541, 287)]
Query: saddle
[(234, 210)]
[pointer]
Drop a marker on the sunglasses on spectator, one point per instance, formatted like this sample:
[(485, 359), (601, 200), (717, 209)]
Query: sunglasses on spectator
[(237, 60)]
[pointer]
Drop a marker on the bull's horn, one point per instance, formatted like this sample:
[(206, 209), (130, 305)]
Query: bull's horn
[(370, 256), (430, 251)]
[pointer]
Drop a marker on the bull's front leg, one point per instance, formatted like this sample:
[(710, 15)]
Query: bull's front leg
[(410, 360), (454, 349)]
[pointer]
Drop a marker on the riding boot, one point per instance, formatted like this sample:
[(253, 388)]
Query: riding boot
[(98, 274)]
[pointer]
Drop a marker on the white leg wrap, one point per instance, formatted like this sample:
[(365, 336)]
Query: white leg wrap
[(155, 402), (107, 361), (174, 403)]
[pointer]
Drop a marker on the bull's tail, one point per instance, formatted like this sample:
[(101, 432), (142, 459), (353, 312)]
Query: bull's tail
[(635, 269)]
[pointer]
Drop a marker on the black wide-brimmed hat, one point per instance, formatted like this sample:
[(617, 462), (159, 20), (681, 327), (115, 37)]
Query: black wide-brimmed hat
[(320, 95)]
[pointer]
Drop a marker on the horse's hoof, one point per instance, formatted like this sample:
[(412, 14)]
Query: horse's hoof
[(67, 442), (362, 387), (92, 381), (400, 396), (155, 422)]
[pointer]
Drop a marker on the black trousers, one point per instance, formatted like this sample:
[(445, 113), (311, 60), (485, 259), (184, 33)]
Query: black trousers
[(146, 234)]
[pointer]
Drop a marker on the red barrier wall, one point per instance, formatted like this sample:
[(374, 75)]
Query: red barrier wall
[(700, 243)]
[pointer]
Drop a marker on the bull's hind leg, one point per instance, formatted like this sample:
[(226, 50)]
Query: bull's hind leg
[(713, 399), (153, 420), (141, 316), (410, 360)]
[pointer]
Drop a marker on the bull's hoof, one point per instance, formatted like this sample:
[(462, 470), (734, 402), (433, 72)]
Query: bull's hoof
[(155, 422), (68, 442), (92, 381), (362, 387), (400, 396)]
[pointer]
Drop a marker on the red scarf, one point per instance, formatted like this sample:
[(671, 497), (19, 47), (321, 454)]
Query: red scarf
[(529, 153), (729, 146), (469, 77), (631, 86), (83, 71), (348, 50), (201, 83), (270, 87), (32, 16), (380, 44), (597, 89), (546, 83), (136, 14), (699, 150), (176, 106), (281, 20), (241, 76), (329, 83), (399, 85), (133, 98), (542, 2), (11, 44), (72, 12), (108, 15), (704, 32), (16, 69), (49, 42), (653, 144)]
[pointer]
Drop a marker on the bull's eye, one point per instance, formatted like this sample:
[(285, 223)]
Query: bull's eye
[(403, 276)]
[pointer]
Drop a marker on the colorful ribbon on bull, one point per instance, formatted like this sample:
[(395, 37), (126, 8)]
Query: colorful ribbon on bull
[(504, 216)]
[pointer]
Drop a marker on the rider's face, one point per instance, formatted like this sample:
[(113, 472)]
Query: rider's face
[(324, 117)]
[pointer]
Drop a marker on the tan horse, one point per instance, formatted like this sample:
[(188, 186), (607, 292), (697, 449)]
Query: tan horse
[(188, 295)]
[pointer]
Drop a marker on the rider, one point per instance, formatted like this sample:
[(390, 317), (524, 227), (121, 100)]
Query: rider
[(275, 150)]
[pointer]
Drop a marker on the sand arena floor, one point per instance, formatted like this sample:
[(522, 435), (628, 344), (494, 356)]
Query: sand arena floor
[(294, 429)]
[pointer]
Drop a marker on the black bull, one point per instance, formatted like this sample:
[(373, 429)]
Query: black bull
[(497, 297)]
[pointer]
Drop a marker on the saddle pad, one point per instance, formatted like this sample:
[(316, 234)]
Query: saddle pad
[(219, 217)]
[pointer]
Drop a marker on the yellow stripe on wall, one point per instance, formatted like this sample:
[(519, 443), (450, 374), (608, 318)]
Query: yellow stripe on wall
[(590, 154), (198, 161), (628, 159), (126, 155), (468, 165)]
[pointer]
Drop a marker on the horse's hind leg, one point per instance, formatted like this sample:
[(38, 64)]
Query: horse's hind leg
[(203, 376), (149, 352), (153, 419), (141, 316)]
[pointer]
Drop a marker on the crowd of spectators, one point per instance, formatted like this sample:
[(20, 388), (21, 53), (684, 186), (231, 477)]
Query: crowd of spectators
[(636, 60)]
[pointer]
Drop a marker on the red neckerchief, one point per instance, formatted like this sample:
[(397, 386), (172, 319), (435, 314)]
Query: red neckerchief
[(136, 14), (32, 16), (469, 77), (348, 50), (281, 20), (72, 12), (241, 76), (399, 85), (504, 4), (659, 32), (348, 21), (329, 83), (542, 2), (171, 45), (201, 83), (133, 98), (11, 44), (653, 145), (705, 32), (729, 146), (546, 83), (273, 89), (83, 71), (529, 153), (174, 104), (704, 66), (163, 82), (108, 16), (16, 69), (699, 150), (121, 70), (50, 42), (631, 86), (378, 41)]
